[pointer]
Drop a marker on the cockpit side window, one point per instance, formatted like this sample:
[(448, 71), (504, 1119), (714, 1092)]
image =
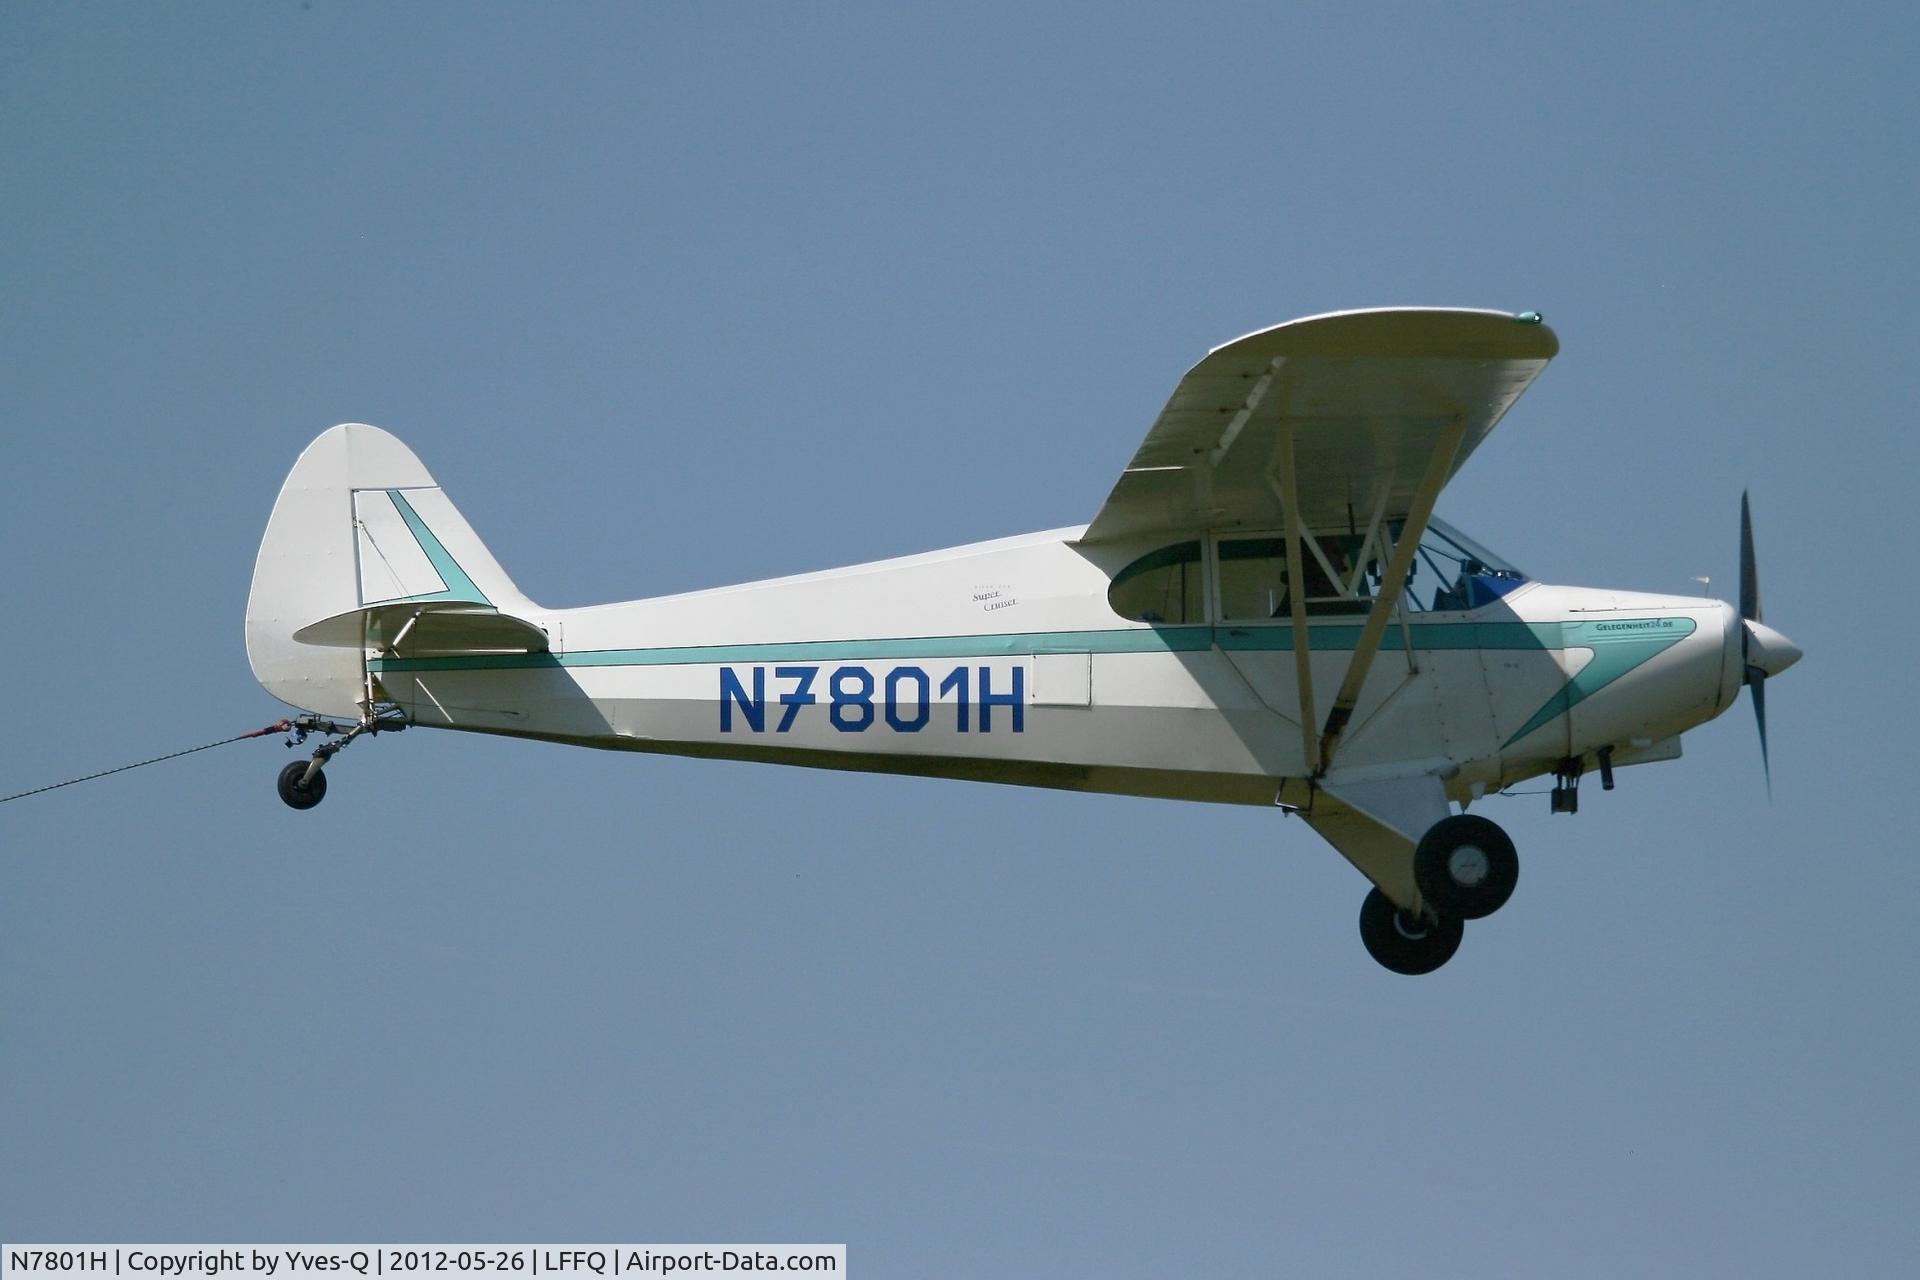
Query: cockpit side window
[(1162, 586), (1253, 577)]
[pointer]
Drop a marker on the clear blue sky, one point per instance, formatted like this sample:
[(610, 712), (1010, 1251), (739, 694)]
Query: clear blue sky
[(674, 296)]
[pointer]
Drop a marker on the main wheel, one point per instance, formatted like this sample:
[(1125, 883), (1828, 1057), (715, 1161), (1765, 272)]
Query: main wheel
[(298, 794), (1403, 942), (1465, 866)]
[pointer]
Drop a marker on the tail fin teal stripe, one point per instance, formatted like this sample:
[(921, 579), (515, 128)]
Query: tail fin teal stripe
[(459, 585)]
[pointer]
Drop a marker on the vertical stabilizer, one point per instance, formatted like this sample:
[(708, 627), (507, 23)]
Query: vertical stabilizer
[(359, 522)]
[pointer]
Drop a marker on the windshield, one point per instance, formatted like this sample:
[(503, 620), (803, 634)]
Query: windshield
[(1452, 571)]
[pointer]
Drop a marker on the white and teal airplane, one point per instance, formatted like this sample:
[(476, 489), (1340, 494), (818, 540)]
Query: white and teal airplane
[(1264, 612)]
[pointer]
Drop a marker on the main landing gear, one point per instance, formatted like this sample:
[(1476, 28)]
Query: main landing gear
[(1466, 868), (302, 784), (1404, 942)]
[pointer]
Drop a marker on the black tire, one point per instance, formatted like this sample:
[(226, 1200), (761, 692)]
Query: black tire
[(1405, 944), (1466, 867), (294, 793)]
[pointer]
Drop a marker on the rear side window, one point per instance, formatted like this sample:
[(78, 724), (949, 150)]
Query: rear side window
[(1253, 578), (1162, 586)]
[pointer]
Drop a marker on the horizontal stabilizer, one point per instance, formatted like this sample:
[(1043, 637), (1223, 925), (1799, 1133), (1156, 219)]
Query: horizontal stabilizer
[(434, 629)]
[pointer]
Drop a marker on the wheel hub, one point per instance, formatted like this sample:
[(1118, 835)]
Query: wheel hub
[(1468, 865)]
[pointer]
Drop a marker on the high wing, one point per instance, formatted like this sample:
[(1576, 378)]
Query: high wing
[(1367, 395), (1338, 422)]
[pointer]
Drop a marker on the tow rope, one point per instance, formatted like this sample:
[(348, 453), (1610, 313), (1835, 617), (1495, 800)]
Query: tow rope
[(279, 726)]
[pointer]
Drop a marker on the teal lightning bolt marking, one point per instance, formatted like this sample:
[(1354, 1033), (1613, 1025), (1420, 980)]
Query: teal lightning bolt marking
[(1618, 647)]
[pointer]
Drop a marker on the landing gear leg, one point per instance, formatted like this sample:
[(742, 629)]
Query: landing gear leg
[(302, 784), (1404, 942)]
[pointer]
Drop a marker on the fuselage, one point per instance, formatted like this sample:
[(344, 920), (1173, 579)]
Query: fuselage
[(1008, 661)]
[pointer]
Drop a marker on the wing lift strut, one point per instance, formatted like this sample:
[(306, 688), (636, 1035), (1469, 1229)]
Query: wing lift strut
[(1376, 823), (1320, 752)]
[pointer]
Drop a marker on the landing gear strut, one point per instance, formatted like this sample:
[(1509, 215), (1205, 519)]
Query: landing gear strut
[(302, 784), (1404, 942)]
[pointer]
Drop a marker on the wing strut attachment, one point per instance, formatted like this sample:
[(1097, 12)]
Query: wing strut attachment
[(1297, 597), (1392, 585)]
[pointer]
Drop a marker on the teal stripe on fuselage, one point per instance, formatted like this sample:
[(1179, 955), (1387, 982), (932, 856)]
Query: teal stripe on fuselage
[(1345, 637), (1327, 637), (1619, 646), (1016, 644)]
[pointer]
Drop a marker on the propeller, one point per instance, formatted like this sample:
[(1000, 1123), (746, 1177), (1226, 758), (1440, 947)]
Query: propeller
[(1763, 651)]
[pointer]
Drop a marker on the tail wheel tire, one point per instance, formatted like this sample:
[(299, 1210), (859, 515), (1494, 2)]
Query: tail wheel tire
[(1404, 942), (301, 795), (1465, 867)]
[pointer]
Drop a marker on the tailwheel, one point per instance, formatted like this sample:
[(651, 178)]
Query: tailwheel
[(300, 791), (303, 784), (1465, 866), (1404, 942)]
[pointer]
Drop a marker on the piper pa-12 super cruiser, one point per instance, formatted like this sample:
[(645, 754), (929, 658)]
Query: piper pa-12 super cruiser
[(1265, 612)]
